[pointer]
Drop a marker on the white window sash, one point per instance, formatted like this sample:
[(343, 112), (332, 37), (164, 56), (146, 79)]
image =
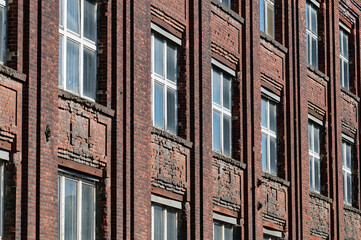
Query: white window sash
[(165, 218), (266, 15), (82, 42), (221, 110), (163, 80), (315, 156), (80, 182)]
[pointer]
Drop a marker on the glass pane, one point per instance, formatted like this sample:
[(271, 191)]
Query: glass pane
[(310, 139), (342, 73), (273, 155), (344, 187), (216, 131), (341, 48), (273, 116), (227, 135), (264, 152), (60, 73), (314, 20), (316, 146), (345, 45), (216, 87), (158, 55), (73, 15), (72, 66), (348, 156), (2, 34), (308, 48), (61, 12), (349, 188), (346, 73), (70, 211), (89, 82), (158, 105), (88, 212), (172, 224), (317, 175), (227, 3), (307, 15), (158, 223), (171, 110), (217, 234), (311, 173), (172, 62), (228, 232), (264, 113), (90, 25), (270, 20), (262, 13), (314, 53), (227, 92)]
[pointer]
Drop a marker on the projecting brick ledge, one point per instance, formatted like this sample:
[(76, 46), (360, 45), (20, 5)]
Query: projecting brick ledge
[(87, 103), (12, 73)]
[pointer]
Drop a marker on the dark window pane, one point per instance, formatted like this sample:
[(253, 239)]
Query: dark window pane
[(171, 224), (88, 212), (171, 110), (158, 223), (264, 152), (227, 135), (70, 211), (89, 74), (273, 155), (216, 131), (158, 105), (216, 87), (72, 67), (90, 21), (158, 55), (226, 92), (172, 62), (217, 234), (264, 113)]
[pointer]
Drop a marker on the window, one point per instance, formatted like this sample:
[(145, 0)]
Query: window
[(2, 199), (267, 16), (222, 107), (77, 46), (344, 59), (314, 155), (347, 172), (270, 237), (2, 31), (164, 223), (312, 34), (222, 231), (76, 199), (269, 135), (226, 2), (164, 82)]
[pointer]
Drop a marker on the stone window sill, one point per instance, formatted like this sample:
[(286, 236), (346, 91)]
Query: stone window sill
[(228, 159), (274, 42), (317, 72), (321, 197), (172, 137), (275, 179)]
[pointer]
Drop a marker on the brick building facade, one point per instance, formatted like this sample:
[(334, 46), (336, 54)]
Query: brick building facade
[(213, 119)]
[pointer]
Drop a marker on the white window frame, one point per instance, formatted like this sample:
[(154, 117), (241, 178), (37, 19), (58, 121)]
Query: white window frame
[(83, 43), (345, 80), (270, 97), (266, 30), (162, 80), (166, 204), (80, 179), (4, 157), (346, 141), (219, 108), (223, 225), (3, 4), (314, 155), (312, 5)]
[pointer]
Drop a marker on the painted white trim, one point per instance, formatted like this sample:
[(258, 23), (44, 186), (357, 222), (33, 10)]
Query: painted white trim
[(4, 155), (272, 232), (348, 138), (314, 119), (166, 201), (344, 27), (224, 218), (223, 67), (268, 94), (166, 34), (315, 2)]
